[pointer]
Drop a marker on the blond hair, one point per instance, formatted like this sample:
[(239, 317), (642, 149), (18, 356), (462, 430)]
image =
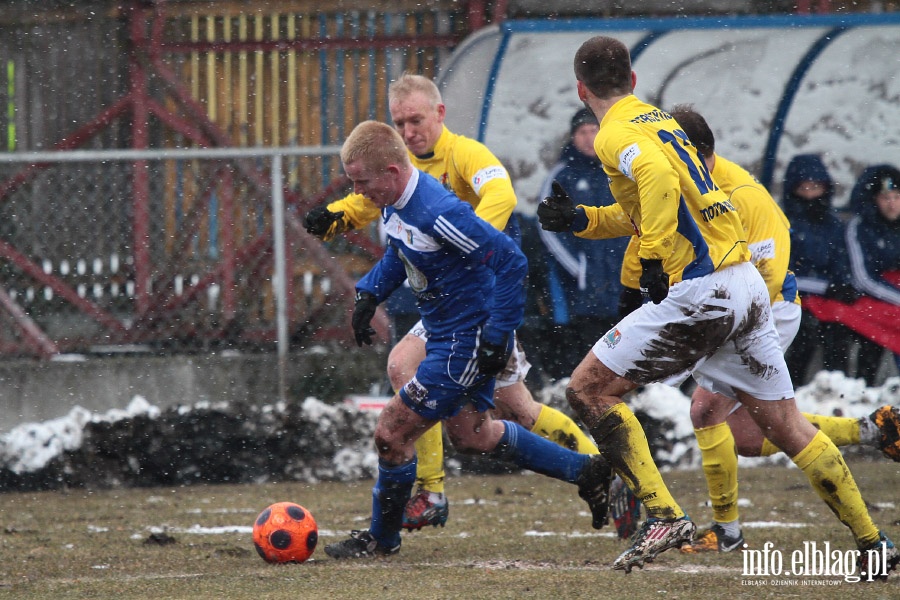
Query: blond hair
[(375, 144), (409, 83)]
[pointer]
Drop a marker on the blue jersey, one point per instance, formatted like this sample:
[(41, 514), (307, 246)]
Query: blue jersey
[(463, 272)]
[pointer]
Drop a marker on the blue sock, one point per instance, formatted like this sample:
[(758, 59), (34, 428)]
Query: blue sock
[(532, 452), (389, 496)]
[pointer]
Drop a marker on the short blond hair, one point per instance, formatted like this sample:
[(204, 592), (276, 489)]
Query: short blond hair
[(409, 83), (375, 144)]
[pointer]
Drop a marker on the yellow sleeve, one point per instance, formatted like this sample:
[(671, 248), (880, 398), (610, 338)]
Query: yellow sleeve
[(659, 192), (489, 179), (606, 222), (768, 235), (498, 199), (630, 276), (358, 212)]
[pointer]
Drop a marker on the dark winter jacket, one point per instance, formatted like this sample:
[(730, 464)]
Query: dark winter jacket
[(872, 241), (818, 249), (582, 275)]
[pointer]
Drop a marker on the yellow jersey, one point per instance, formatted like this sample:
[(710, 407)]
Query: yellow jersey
[(664, 194), (766, 228), (464, 166)]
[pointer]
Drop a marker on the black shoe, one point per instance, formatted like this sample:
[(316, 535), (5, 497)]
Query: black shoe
[(360, 545), (593, 487)]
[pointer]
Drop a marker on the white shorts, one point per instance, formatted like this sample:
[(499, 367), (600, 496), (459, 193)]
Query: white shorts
[(787, 322), (718, 327), (516, 369)]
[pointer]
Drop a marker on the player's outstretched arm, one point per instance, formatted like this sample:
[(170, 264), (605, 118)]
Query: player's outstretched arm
[(350, 212)]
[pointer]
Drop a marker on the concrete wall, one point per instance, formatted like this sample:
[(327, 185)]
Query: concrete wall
[(37, 391)]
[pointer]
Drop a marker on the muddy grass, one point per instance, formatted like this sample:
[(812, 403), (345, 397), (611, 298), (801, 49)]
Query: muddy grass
[(509, 536)]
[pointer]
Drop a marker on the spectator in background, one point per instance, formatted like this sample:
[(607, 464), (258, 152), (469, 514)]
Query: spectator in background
[(873, 242), (581, 285), (819, 261)]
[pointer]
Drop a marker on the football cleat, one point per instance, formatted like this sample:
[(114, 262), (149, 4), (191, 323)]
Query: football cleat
[(878, 560), (425, 508), (655, 536), (360, 545), (887, 419), (714, 539), (593, 487), (625, 508)]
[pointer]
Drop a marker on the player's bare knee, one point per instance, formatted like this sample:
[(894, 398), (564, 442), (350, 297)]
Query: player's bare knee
[(576, 400), (704, 415), (382, 445)]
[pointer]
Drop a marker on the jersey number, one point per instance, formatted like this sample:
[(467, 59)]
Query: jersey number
[(698, 170)]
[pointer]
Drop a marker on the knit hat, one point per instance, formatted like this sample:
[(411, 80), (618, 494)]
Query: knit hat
[(582, 117)]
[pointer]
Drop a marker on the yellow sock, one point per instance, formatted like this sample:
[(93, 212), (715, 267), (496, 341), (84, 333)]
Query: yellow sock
[(824, 466), (768, 448), (720, 464), (430, 460), (623, 443), (560, 429), (843, 431)]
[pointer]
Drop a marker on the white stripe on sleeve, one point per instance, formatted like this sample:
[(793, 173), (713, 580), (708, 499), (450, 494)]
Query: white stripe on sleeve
[(454, 235)]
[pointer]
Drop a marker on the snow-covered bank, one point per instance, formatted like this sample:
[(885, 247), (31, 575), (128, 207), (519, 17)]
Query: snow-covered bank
[(309, 440)]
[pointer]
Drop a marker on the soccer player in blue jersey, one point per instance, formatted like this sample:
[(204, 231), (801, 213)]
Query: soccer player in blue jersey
[(709, 312), (472, 172), (468, 278)]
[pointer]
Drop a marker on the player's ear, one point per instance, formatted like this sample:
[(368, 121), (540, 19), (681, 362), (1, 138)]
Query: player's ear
[(582, 90), (633, 80), (441, 111)]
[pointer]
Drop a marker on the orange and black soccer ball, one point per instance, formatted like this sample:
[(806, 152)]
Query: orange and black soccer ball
[(285, 532)]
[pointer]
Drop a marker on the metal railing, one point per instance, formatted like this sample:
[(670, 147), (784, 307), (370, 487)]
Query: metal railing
[(167, 250)]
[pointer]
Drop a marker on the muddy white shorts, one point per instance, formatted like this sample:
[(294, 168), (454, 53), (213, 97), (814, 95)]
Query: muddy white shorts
[(718, 327), (787, 322), (516, 369)]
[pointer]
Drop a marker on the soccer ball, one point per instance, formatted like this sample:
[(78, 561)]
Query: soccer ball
[(285, 532)]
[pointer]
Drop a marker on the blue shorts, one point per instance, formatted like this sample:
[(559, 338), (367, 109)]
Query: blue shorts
[(448, 378)]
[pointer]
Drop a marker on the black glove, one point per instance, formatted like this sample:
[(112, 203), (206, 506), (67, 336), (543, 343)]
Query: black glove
[(319, 220), (629, 301), (492, 358), (654, 281), (557, 211), (842, 292), (362, 316)]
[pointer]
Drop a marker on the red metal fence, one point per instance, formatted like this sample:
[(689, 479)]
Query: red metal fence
[(176, 253)]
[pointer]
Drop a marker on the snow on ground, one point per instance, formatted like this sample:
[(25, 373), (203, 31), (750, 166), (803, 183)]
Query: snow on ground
[(311, 440)]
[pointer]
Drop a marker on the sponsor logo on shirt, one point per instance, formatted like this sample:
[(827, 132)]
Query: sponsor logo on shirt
[(717, 208), (409, 235), (626, 159), (486, 174), (762, 249), (612, 337), (416, 278)]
